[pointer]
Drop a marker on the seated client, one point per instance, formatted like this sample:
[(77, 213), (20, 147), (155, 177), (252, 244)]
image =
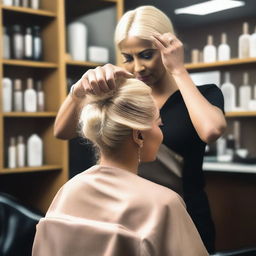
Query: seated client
[(108, 210)]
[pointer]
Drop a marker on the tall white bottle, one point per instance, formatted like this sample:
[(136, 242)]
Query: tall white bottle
[(30, 97), (12, 153), (253, 44), (18, 96), (223, 49), (229, 93), (35, 151), (40, 96), (209, 51), (7, 94), (21, 156), (243, 42), (77, 41), (6, 44), (245, 92)]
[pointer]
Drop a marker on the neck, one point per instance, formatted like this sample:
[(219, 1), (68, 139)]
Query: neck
[(165, 86), (127, 161)]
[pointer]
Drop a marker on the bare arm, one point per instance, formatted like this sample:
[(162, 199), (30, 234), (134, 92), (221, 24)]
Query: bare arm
[(208, 120), (96, 81)]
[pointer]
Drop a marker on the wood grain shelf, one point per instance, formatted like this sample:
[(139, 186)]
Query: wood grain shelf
[(30, 169), (30, 115), (83, 63), (30, 64), (241, 114), (218, 64), (28, 11)]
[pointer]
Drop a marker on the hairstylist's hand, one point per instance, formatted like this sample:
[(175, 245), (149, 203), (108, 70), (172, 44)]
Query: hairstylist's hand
[(172, 51), (99, 80)]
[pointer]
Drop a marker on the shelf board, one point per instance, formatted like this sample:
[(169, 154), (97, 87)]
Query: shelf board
[(30, 114), (28, 11), (30, 169), (83, 63), (28, 63), (229, 167), (232, 62), (241, 114)]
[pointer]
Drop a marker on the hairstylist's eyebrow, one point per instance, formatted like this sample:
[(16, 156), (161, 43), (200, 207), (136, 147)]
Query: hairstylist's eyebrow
[(149, 49)]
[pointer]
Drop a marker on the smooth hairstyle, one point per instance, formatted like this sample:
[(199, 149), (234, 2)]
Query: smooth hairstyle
[(142, 22), (108, 120)]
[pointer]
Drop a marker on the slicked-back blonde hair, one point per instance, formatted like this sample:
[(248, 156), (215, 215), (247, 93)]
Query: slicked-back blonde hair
[(108, 120), (142, 22)]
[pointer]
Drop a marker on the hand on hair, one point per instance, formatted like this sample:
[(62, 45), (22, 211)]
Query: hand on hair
[(172, 52), (99, 80)]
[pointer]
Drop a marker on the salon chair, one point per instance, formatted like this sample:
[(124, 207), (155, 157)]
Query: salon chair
[(241, 252), (17, 227)]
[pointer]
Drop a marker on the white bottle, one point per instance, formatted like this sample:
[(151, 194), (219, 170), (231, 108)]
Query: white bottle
[(253, 44), (6, 44), (18, 42), (229, 93), (8, 2), (28, 44), (243, 42), (35, 4), (245, 92), (7, 94), (221, 147), (21, 156), (223, 49), (35, 151), (12, 153), (209, 50), (40, 97), (237, 133), (77, 41), (30, 101), (18, 96)]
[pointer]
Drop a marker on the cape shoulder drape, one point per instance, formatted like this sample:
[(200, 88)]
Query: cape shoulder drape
[(108, 211)]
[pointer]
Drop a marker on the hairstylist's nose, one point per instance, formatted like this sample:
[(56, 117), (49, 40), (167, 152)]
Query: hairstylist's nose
[(138, 66)]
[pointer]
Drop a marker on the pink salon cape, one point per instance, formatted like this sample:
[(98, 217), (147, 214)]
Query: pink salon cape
[(107, 211)]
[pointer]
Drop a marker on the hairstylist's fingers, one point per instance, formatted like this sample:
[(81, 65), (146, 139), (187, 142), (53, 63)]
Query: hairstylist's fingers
[(158, 41), (101, 79), (110, 76), (121, 72), (92, 82)]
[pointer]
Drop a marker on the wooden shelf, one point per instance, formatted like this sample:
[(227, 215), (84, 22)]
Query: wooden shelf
[(31, 64), (218, 64), (29, 114), (30, 169), (28, 11), (83, 63), (241, 114)]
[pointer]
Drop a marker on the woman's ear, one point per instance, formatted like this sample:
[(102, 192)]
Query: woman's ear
[(138, 138)]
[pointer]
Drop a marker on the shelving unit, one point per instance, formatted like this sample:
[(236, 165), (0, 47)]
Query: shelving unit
[(230, 186), (36, 186)]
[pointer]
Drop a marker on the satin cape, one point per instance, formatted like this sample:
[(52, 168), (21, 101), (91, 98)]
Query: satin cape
[(107, 211)]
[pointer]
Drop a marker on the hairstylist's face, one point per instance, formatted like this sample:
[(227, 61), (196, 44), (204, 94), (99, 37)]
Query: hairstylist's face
[(152, 139), (142, 59)]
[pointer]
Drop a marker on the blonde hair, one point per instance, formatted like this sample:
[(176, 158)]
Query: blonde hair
[(108, 120), (142, 22)]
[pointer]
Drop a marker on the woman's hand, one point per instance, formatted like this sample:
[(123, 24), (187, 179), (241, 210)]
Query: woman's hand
[(172, 52), (99, 80)]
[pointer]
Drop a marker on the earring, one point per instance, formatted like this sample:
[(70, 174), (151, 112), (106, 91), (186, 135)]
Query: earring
[(140, 146)]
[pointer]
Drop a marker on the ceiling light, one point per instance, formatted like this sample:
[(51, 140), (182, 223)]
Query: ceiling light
[(209, 7)]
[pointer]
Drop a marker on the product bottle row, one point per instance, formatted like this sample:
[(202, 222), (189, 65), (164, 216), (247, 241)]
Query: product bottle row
[(211, 53), (245, 93), (34, 4), (21, 42), (18, 100), (21, 154)]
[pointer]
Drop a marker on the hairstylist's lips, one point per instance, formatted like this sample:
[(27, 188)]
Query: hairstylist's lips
[(144, 78)]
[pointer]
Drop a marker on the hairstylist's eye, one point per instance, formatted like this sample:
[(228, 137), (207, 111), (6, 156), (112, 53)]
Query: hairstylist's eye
[(147, 55), (127, 58)]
